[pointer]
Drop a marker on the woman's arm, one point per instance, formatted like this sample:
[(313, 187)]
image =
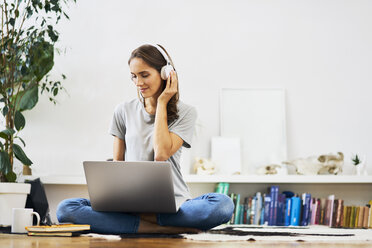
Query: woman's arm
[(119, 149), (165, 142)]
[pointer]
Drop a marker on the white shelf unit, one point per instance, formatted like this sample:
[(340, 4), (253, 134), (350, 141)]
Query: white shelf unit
[(355, 190)]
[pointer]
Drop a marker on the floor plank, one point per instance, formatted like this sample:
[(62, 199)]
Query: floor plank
[(23, 241)]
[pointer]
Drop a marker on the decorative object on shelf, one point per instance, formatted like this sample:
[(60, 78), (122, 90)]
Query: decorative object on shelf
[(225, 153), (314, 165), (360, 167), (272, 169), (203, 166), (257, 117)]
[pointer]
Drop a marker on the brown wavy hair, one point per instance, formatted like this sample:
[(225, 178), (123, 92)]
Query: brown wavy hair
[(153, 57)]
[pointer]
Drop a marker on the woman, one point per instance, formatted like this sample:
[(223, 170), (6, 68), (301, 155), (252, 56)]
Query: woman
[(153, 127)]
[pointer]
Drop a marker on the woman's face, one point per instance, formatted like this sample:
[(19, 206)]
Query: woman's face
[(146, 78)]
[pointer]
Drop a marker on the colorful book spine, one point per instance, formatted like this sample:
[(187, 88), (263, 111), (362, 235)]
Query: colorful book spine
[(274, 191), (338, 214), (253, 210), (295, 211), (245, 208), (281, 210), (365, 217), (313, 208), (352, 217), (370, 215), (267, 209), (241, 214), (258, 208), (318, 212), (287, 219), (233, 198), (344, 219), (306, 198), (359, 217), (322, 211), (237, 209), (249, 210)]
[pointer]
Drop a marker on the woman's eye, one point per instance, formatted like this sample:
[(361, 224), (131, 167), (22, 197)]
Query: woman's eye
[(145, 76)]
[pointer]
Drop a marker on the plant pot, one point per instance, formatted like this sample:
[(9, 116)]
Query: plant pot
[(12, 195)]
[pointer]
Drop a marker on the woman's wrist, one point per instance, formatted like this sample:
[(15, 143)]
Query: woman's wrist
[(162, 103)]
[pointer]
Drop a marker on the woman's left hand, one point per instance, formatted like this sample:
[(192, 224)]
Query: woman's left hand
[(170, 89)]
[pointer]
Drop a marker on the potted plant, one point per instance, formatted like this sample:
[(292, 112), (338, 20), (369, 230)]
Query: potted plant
[(28, 37), (359, 165)]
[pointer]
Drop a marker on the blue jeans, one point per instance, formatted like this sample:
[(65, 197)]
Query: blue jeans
[(203, 212)]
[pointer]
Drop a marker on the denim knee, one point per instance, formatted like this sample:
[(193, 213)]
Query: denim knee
[(223, 211), (67, 207)]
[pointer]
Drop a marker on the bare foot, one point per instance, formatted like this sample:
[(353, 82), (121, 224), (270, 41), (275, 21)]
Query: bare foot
[(148, 227)]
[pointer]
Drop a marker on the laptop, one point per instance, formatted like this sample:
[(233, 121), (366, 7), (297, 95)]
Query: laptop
[(136, 187)]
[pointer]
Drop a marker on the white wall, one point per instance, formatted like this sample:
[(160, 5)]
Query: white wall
[(319, 51)]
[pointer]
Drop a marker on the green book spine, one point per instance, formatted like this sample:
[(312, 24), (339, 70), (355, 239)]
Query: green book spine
[(241, 219), (352, 217), (237, 210), (219, 188), (226, 187)]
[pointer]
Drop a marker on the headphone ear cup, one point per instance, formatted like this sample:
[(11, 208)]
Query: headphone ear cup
[(165, 71)]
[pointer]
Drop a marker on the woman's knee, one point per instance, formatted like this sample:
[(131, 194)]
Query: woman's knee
[(224, 208), (67, 208)]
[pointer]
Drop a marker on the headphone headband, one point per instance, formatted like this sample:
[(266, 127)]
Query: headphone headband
[(165, 56)]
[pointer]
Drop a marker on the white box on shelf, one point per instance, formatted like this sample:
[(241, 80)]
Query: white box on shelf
[(226, 154)]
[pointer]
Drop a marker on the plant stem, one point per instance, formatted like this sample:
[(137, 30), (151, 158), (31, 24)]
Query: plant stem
[(23, 20)]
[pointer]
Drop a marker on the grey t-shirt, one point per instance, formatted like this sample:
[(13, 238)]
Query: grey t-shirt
[(135, 126)]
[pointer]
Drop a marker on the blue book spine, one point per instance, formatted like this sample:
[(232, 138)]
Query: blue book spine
[(262, 219), (287, 219), (267, 209), (275, 216), (306, 198), (295, 211), (281, 210), (272, 206)]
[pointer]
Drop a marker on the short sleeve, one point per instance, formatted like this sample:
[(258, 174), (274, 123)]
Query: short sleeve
[(117, 126), (184, 126)]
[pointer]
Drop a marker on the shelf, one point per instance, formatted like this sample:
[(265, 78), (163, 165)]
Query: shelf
[(332, 179), (278, 179)]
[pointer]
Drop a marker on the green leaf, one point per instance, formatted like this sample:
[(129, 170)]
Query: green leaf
[(41, 58), (20, 155), (19, 121), (55, 91), (5, 166), (5, 110), (12, 21), (5, 134), (11, 176), (23, 142), (29, 99)]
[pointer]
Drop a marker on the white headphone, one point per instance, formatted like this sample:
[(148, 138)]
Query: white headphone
[(165, 70)]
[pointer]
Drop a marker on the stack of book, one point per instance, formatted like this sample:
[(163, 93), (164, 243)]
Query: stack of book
[(62, 230), (288, 209)]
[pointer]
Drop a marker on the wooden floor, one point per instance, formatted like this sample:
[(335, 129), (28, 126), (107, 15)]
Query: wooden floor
[(23, 241)]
